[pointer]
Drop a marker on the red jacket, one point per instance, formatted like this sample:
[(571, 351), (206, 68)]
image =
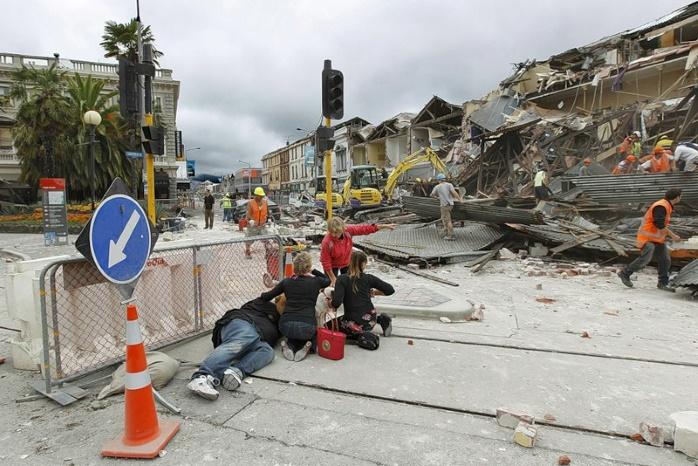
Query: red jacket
[(336, 252)]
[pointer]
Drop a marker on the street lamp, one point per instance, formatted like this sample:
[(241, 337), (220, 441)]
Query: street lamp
[(193, 148), (249, 178), (92, 119)]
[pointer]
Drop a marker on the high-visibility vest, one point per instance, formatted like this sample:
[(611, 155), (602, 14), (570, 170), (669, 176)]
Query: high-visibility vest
[(648, 232), (226, 203), (257, 212), (661, 165)]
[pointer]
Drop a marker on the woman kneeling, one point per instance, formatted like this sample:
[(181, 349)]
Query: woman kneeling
[(355, 291)]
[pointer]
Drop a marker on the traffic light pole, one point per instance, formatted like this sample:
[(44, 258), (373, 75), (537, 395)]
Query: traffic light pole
[(328, 177), (146, 105)]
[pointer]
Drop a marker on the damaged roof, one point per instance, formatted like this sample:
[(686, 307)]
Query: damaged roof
[(438, 111), (493, 114), (392, 126)]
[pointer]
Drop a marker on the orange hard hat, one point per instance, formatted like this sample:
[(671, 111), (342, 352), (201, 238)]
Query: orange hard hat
[(631, 158), (587, 161)]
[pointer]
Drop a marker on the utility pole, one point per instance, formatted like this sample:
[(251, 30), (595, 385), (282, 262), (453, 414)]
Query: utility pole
[(146, 117)]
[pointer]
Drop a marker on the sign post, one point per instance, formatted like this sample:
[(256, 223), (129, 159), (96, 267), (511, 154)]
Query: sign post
[(55, 214)]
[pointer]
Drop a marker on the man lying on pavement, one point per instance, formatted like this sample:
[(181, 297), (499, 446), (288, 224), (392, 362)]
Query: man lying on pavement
[(243, 342)]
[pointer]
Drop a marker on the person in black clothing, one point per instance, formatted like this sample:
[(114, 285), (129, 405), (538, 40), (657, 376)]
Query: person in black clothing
[(355, 290), (243, 341), (208, 210), (298, 324)]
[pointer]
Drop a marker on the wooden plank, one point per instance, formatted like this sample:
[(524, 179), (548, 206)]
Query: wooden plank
[(574, 243)]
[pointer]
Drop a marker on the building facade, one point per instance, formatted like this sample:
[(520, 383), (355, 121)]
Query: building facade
[(165, 100)]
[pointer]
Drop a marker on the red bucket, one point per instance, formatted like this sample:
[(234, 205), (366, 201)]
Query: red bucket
[(242, 223)]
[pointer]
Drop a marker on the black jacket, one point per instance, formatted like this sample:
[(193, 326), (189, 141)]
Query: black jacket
[(358, 303), (208, 202), (260, 313), (301, 294)]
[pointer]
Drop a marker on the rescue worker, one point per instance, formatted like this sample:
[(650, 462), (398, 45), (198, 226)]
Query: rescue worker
[(651, 238), (686, 156), (660, 161), (447, 194), (227, 205), (584, 170), (257, 215), (626, 166), (420, 189), (631, 145), (208, 210), (540, 185)]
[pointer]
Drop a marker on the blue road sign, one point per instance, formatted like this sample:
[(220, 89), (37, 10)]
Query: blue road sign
[(133, 154), (120, 238)]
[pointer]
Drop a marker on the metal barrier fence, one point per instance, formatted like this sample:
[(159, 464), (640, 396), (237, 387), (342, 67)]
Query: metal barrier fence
[(180, 294)]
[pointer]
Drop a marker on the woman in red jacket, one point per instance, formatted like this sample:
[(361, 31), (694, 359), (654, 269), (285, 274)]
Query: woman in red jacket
[(337, 245)]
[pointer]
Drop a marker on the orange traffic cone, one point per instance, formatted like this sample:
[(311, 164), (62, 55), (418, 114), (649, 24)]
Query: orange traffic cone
[(144, 436), (288, 262)]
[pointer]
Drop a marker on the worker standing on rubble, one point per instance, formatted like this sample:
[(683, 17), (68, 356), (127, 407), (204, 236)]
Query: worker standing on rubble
[(626, 166), (686, 156), (540, 185), (243, 342), (336, 247), (660, 161), (631, 145), (208, 210), (651, 238), (584, 170), (257, 215), (447, 194), (227, 205)]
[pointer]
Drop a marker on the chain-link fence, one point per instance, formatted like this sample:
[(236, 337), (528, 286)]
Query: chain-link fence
[(181, 293)]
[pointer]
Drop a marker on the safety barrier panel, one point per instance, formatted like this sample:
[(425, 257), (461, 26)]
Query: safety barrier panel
[(180, 294)]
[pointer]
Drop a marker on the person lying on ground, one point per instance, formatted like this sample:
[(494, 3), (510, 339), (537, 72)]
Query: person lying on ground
[(243, 341), (298, 325), (337, 245), (355, 291)]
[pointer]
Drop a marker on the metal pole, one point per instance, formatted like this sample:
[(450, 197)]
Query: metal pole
[(92, 163), (328, 177)]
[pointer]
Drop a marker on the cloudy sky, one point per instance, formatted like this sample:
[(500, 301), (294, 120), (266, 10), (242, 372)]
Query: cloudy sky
[(250, 70)]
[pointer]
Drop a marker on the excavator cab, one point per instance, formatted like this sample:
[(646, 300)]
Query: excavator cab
[(321, 193), (362, 188)]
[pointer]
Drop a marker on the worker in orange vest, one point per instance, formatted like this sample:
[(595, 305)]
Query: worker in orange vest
[(625, 166), (651, 239), (631, 145), (660, 161), (257, 214)]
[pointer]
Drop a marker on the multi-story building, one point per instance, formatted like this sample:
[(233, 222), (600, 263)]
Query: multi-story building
[(165, 96), (271, 170), (301, 163), (346, 135)]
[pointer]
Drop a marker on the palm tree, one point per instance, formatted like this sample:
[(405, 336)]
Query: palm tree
[(122, 39), (88, 94), (41, 128)]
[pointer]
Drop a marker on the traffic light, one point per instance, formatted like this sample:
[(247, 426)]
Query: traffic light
[(332, 92), (154, 142), (323, 139), (128, 88)]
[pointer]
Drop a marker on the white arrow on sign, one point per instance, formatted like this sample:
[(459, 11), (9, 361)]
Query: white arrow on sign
[(116, 250)]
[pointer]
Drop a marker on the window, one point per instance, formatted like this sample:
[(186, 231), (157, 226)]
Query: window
[(6, 138), (4, 90), (6, 59), (157, 104), (341, 156)]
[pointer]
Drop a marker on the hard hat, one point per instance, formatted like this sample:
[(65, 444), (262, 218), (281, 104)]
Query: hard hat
[(637, 133), (664, 143), (631, 158), (440, 176), (418, 180), (587, 161), (258, 191)]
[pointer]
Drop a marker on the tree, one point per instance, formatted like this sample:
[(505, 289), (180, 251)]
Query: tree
[(122, 39), (41, 131), (87, 93)]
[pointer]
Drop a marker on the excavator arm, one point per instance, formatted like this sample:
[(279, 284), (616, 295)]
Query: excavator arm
[(412, 160)]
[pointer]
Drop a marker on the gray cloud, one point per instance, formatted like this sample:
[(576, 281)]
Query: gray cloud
[(250, 71)]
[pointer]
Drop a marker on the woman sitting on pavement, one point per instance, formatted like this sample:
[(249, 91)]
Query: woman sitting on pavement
[(297, 324), (337, 245), (355, 291)]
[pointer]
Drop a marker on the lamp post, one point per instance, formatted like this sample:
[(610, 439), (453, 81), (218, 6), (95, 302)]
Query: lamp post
[(92, 119), (193, 148), (249, 178)]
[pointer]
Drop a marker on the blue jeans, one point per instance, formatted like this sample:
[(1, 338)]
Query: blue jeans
[(241, 349), (228, 214), (298, 333)]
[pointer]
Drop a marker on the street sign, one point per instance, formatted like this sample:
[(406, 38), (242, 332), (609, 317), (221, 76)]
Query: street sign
[(132, 154), (119, 237), (55, 215)]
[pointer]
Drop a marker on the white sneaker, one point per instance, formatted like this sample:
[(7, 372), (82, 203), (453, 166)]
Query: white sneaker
[(203, 386), (231, 380), (286, 350)]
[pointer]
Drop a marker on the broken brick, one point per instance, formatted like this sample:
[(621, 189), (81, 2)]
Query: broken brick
[(545, 300), (549, 418), (585, 334), (410, 342), (510, 419), (525, 435), (563, 460), (654, 435), (637, 437)]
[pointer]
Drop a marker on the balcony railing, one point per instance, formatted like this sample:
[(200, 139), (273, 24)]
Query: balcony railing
[(8, 155)]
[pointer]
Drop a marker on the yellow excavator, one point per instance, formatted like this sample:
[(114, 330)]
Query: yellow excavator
[(425, 154), (321, 193), (362, 188)]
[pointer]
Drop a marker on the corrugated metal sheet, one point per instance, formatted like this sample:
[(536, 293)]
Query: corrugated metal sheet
[(427, 207), (621, 189), (555, 235), (688, 276), (413, 241), (491, 116)]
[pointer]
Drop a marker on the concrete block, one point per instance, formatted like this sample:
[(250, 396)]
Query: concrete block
[(509, 419), (538, 250), (652, 434), (525, 434), (505, 253), (686, 432)]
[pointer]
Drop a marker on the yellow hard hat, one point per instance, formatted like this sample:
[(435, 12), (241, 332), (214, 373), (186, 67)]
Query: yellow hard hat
[(664, 143), (418, 180), (258, 191)]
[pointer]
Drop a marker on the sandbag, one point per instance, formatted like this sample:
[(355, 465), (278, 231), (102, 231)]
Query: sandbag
[(161, 367)]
